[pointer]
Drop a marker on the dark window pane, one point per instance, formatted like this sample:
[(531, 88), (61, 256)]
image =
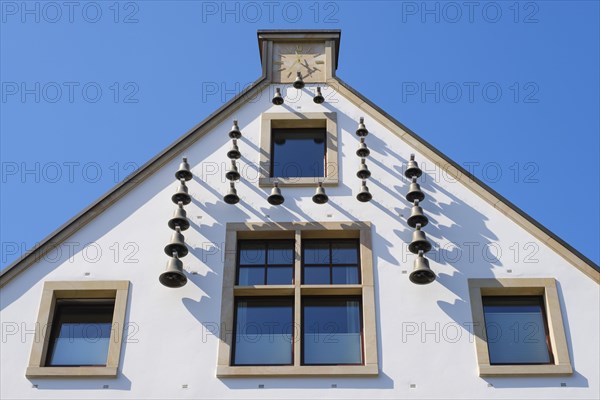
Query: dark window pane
[(317, 275), (249, 276), (80, 333), (280, 275), (316, 253), (252, 253), (345, 275), (264, 332), (281, 252), (298, 153), (516, 330), (332, 331), (344, 253)]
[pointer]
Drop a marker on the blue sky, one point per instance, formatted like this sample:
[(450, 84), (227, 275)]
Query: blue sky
[(92, 89)]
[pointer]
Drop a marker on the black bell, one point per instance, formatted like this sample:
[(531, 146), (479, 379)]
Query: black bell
[(235, 132), (320, 196), (173, 277), (319, 99), (298, 83), (231, 197), (419, 241), (184, 171), (275, 198), (362, 129), (364, 195), (182, 194), (417, 216), (414, 191), (363, 171), (421, 274), (277, 99), (177, 244), (363, 150), (412, 168), (234, 152), (232, 174), (179, 219)]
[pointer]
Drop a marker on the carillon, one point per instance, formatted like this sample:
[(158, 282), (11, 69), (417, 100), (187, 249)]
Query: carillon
[(421, 274), (173, 276), (298, 82), (277, 98), (319, 99), (363, 172)]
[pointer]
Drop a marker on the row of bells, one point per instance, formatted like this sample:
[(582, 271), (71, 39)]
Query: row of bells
[(363, 172), (422, 273), (297, 84), (173, 276)]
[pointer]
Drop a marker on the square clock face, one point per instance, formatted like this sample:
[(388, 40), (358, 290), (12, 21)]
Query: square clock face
[(306, 58)]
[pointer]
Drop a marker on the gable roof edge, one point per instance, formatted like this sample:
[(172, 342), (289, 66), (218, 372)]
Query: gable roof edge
[(517, 215), (59, 235)]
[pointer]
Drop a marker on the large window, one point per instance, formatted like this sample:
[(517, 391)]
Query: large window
[(298, 149), (300, 299), (518, 327), (81, 327)]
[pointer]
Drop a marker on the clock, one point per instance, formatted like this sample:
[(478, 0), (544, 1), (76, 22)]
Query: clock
[(306, 58)]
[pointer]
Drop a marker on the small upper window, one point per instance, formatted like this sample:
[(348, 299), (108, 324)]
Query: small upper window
[(298, 152), (298, 149), (517, 331), (80, 333)]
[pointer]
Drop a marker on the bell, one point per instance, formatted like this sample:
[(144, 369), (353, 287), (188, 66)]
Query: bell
[(231, 197), (319, 99), (173, 277), (182, 194), (275, 198), (177, 244), (234, 153), (298, 83), (414, 192), (235, 132), (412, 168), (362, 129), (363, 150), (363, 171), (419, 241), (364, 195), (417, 216), (421, 274), (179, 219), (320, 196), (232, 174), (184, 171), (277, 99)]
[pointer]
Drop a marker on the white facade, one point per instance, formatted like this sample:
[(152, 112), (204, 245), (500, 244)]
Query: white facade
[(425, 345)]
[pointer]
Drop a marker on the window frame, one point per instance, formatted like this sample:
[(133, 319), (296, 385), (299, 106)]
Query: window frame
[(59, 290), (299, 231), (328, 120), (518, 287)]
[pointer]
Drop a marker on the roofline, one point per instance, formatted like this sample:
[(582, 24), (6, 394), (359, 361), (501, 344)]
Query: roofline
[(472, 177), (133, 180), (120, 189)]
